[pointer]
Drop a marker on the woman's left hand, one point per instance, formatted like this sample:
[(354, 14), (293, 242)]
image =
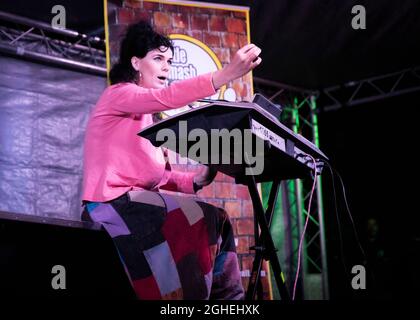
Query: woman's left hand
[(205, 177)]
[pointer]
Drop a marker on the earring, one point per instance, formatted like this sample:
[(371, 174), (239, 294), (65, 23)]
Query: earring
[(139, 79)]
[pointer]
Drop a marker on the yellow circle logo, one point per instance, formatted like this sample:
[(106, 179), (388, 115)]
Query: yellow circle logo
[(192, 58)]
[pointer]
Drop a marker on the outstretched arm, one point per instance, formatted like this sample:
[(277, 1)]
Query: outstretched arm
[(245, 59), (131, 98)]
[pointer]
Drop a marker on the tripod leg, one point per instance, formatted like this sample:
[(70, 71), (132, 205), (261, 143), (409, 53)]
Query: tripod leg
[(255, 283), (267, 241), (255, 276)]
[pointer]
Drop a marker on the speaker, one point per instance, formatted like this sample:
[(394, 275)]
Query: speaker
[(49, 257)]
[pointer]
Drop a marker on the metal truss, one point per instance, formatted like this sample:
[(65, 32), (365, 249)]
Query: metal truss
[(38, 41), (300, 114), (315, 269), (371, 89)]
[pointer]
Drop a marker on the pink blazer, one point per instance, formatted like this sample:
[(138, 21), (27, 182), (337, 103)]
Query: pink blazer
[(116, 159)]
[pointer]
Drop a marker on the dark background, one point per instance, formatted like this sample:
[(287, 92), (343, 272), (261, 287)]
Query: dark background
[(309, 44), (374, 149)]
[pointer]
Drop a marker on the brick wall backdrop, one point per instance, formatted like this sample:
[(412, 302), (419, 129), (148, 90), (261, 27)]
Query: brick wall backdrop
[(224, 31)]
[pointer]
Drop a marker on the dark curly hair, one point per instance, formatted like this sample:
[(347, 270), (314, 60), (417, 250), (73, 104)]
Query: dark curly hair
[(139, 39)]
